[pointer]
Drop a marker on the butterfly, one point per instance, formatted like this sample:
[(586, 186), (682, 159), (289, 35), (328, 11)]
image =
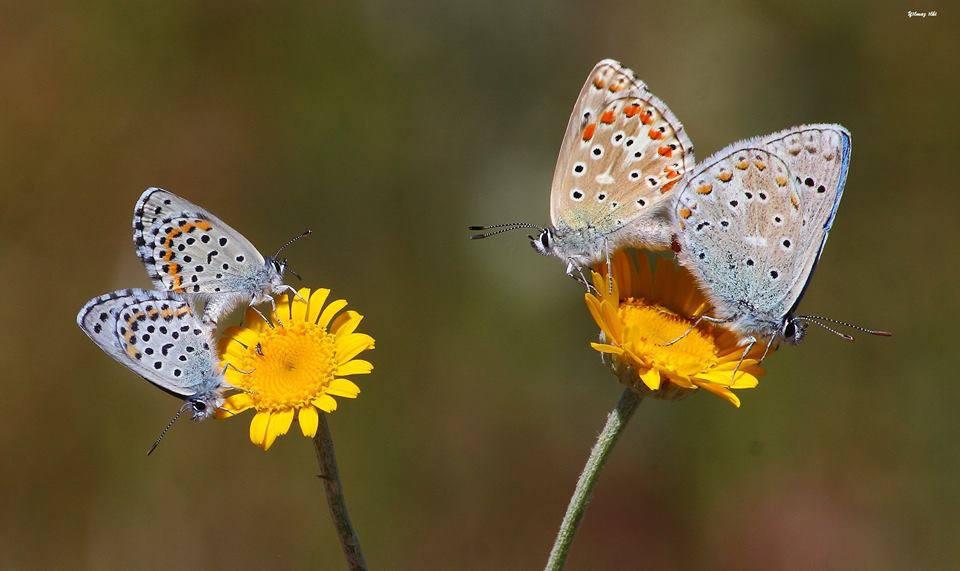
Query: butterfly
[(752, 222), (188, 250), (157, 335), (622, 156)]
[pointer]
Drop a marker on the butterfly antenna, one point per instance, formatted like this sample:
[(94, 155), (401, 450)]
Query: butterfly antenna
[(839, 334), (878, 332), (500, 229), (286, 266), (167, 428), (306, 232)]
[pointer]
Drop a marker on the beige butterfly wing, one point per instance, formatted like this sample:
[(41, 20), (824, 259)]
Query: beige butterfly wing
[(623, 154)]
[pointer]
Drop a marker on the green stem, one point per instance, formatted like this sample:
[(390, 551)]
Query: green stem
[(616, 420), (323, 443)]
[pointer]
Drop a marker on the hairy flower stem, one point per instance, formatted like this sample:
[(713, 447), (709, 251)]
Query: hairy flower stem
[(616, 420), (323, 443)]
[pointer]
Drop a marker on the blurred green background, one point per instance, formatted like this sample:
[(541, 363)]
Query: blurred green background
[(387, 128)]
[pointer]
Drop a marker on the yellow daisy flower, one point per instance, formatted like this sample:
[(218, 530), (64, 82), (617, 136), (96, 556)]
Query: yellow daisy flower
[(645, 312), (294, 364)]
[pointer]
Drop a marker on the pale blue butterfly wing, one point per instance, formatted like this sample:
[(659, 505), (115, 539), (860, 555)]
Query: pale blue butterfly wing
[(819, 158), (156, 335), (186, 249), (752, 221)]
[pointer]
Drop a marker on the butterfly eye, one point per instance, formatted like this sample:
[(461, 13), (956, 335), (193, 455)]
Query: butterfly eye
[(199, 406), (545, 240), (790, 330)]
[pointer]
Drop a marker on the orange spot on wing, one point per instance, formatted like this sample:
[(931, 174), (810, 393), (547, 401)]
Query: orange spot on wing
[(725, 176), (685, 213), (671, 174), (654, 134), (781, 181), (607, 117), (631, 110), (705, 189), (795, 201), (665, 151), (668, 187), (588, 131), (615, 87), (598, 82), (742, 165), (645, 117), (760, 165)]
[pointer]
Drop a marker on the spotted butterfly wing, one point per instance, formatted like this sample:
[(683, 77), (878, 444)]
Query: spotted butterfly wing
[(751, 227), (186, 249), (156, 335), (818, 156), (623, 153)]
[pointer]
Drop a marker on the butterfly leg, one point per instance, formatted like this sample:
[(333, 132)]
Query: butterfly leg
[(606, 251), (260, 313), (574, 271), (285, 288), (767, 348), (749, 342), (707, 318), (234, 367)]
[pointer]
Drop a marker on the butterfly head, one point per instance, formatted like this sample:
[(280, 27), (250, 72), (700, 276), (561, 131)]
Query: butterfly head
[(276, 266), (543, 243), (793, 330), (203, 406)]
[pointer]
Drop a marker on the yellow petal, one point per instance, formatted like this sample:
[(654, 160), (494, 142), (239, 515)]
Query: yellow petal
[(349, 346), (343, 388), (308, 421), (325, 403), (279, 425), (720, 391), (231, 350), (614, 294), (317, 299), (730, 361), (355, 367), (346, 323), (593, 305), (245, 337), (252, 320), (681, 381), (614, 326), (743, 379), (604, 348), (234, 405), (299, 309), (234, 377), (598, 282), (651, 378), (621, 272), (328, 312), (258, 428)]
